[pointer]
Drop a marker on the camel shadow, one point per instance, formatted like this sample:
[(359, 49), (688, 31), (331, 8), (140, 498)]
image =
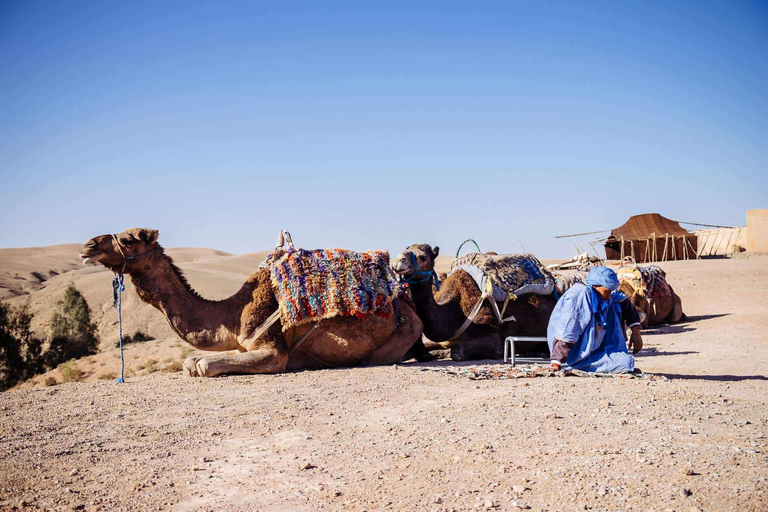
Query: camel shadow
[(654, 352), (667, 329), (719, 378), (699, 318), (683, 326)]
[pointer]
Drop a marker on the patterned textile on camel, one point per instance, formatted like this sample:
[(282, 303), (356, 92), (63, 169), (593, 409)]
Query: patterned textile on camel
[(650, 281), (507, 274), (565, 279), (323, 283)]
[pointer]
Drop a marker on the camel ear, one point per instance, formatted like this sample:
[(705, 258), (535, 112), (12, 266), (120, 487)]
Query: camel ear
[(149, 235), (435, 252)]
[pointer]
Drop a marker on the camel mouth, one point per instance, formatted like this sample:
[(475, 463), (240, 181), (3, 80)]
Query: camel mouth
[(402, 267), (402, 270), (90, 258)]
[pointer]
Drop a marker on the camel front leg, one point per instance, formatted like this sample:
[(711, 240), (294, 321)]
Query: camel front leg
[(263, 360)]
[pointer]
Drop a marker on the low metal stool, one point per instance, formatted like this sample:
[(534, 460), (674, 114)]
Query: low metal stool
[(509, 345)]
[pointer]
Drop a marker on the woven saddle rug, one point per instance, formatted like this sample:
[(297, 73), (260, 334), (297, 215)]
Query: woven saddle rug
[(324, 283), (650, 281), (509, 274), (565, 279)]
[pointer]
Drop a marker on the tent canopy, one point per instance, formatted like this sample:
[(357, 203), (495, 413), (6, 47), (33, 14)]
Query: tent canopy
[(641, 227)]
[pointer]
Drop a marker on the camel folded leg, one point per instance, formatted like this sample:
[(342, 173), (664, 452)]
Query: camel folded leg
[(262, 360)]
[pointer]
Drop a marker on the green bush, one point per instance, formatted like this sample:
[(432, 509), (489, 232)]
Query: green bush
[(138, 337), (20, 351), (73, 335)]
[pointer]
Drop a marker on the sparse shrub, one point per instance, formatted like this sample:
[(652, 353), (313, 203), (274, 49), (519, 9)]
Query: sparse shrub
[(20, 351), (150, 366), (137, 337), (70, 372), (73, 335), (175, 366), (107, 376), (50, 381)]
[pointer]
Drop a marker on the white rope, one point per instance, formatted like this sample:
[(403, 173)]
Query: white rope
[(476, 310)]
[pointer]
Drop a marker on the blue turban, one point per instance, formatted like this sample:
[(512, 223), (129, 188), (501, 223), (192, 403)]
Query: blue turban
[(603, 276)]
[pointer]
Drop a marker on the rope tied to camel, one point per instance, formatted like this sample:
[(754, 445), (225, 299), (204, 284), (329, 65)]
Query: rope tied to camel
[(118, 287)]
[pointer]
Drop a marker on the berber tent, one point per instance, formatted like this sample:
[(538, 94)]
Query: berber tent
[(650, 237)]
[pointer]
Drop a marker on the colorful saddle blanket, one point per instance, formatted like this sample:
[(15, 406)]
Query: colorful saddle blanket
[(650, 281), (506, 274), (312, 285)]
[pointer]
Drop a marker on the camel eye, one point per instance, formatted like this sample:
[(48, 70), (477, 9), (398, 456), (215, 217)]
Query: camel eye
[(422, 258)]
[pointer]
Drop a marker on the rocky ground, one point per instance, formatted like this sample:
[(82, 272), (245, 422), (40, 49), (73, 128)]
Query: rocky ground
[(402, 438)]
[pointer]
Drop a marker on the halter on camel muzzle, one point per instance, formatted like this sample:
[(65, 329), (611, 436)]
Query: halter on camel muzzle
[(425, 275)]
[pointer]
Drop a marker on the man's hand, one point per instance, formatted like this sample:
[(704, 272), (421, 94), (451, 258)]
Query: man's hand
[(636, 340)]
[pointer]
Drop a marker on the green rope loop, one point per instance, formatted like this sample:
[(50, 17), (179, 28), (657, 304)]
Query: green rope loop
[(462, 245)]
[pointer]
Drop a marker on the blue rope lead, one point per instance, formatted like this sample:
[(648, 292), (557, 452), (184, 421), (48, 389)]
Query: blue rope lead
[(117, 290)]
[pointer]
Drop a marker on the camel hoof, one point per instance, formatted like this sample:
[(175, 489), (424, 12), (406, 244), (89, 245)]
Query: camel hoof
[(190, 367)]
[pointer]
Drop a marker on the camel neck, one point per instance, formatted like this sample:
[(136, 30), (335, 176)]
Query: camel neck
[(440, 320), (205, 324)]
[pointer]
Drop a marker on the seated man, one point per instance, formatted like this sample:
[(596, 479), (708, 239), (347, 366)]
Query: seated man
[(586, 330)]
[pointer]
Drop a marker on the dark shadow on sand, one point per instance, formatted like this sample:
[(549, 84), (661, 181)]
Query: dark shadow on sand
[(679, 327), (653, 353), (699, 318), (667, 329)]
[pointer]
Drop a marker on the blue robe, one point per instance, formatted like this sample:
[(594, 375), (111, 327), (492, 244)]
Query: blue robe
[(595, 327)]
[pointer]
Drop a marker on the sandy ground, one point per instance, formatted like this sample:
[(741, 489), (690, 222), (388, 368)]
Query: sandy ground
[(401, 438)]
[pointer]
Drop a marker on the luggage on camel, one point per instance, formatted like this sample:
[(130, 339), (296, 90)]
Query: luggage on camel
[(505, 276)]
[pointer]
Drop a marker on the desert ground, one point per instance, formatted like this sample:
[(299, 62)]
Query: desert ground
[(402, 437)]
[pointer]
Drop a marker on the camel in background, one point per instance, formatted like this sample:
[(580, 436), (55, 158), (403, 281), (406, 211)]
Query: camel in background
[(443, 312)]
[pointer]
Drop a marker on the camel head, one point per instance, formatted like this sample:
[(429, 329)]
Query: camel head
[(415, 258), (636, 297), (122, 252)]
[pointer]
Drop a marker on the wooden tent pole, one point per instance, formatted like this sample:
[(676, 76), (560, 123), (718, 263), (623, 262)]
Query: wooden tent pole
[(694, 250), (622, 247), (666, 243), (645, 258)]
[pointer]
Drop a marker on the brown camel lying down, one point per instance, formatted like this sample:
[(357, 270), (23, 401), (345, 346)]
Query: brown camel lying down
[(228, 324), (443, 312), (659, 305)]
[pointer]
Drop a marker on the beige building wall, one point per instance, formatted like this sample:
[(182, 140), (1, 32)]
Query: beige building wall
[(757, 230)]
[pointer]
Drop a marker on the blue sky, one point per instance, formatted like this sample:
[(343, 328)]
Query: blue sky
[(377, 125)]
